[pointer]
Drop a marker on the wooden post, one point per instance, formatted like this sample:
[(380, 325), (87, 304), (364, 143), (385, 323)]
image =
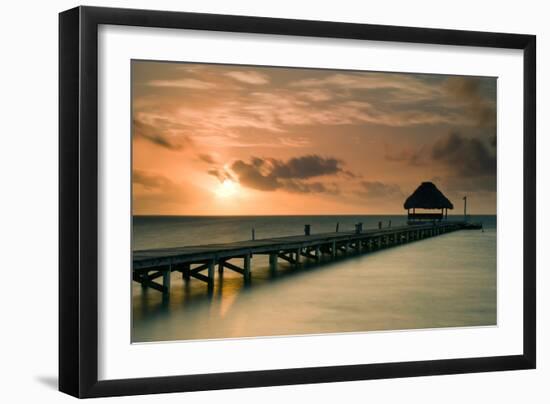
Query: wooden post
[(166, 280), (185, 269), (144, 277), (211, 267), (298, 256), (307, 229), (317, 253), (220, 266), (273, 262), (247, 267), (359, 246), (333, 250)]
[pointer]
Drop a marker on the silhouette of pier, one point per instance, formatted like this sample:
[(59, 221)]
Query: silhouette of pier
[(200, 262)]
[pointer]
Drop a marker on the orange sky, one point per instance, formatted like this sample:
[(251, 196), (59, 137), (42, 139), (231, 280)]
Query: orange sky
[(241, 140)]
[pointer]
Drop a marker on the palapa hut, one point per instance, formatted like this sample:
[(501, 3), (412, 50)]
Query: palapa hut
[(427, 196)]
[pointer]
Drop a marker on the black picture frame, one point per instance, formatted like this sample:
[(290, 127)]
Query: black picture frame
[(78, 201)]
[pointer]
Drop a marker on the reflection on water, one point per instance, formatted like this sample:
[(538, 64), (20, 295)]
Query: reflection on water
[(446, 281)]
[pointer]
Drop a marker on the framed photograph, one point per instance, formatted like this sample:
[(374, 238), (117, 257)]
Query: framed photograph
[(251, 201)]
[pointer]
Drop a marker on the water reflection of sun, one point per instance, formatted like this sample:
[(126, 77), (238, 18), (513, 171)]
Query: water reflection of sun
[(227, 188)]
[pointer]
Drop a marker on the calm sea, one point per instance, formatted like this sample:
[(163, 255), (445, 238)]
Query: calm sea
[(445, 281)]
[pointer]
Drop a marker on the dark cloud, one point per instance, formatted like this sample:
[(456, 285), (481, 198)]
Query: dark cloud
[(220, 173), (377, 189), (157, 135), (268, 174), (305, 167), (250, 175), (465, 164), (467, 157), (481, 106)]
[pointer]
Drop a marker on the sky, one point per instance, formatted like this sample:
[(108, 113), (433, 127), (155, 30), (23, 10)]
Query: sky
[(248, 140)]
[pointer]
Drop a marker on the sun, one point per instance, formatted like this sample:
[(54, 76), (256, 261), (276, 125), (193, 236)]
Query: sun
[(227, 188)]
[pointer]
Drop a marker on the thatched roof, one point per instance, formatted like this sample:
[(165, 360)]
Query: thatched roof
[(427, 196)]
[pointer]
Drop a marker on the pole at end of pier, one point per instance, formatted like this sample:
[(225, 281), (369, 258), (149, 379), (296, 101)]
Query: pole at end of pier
[(253, 234), (307, 229), (337, 226)]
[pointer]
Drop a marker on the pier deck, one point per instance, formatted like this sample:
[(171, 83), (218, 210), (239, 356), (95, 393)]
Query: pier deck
[(199, 262)]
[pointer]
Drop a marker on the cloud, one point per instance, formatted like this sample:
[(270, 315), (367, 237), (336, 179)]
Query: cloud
[(305, 167), (468, 91), (407, 87), (316, 95), (336, 99), (460, 185), (193, 84), (460, 155), (249, 77), (155, 135), (467, 157), (207, 158), (412, 156), (302, 187), (379, 190), (149, 181), (152, 192), (268, 174), (297, 141), (464, 164), (221, 174)]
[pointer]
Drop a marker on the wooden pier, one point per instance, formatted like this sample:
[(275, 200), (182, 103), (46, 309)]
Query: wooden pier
[(200, 262)]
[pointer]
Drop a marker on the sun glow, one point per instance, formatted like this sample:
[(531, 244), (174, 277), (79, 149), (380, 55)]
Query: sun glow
[(227, 188)]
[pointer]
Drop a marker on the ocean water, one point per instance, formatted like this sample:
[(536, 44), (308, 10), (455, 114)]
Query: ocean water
[(445, 281)]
